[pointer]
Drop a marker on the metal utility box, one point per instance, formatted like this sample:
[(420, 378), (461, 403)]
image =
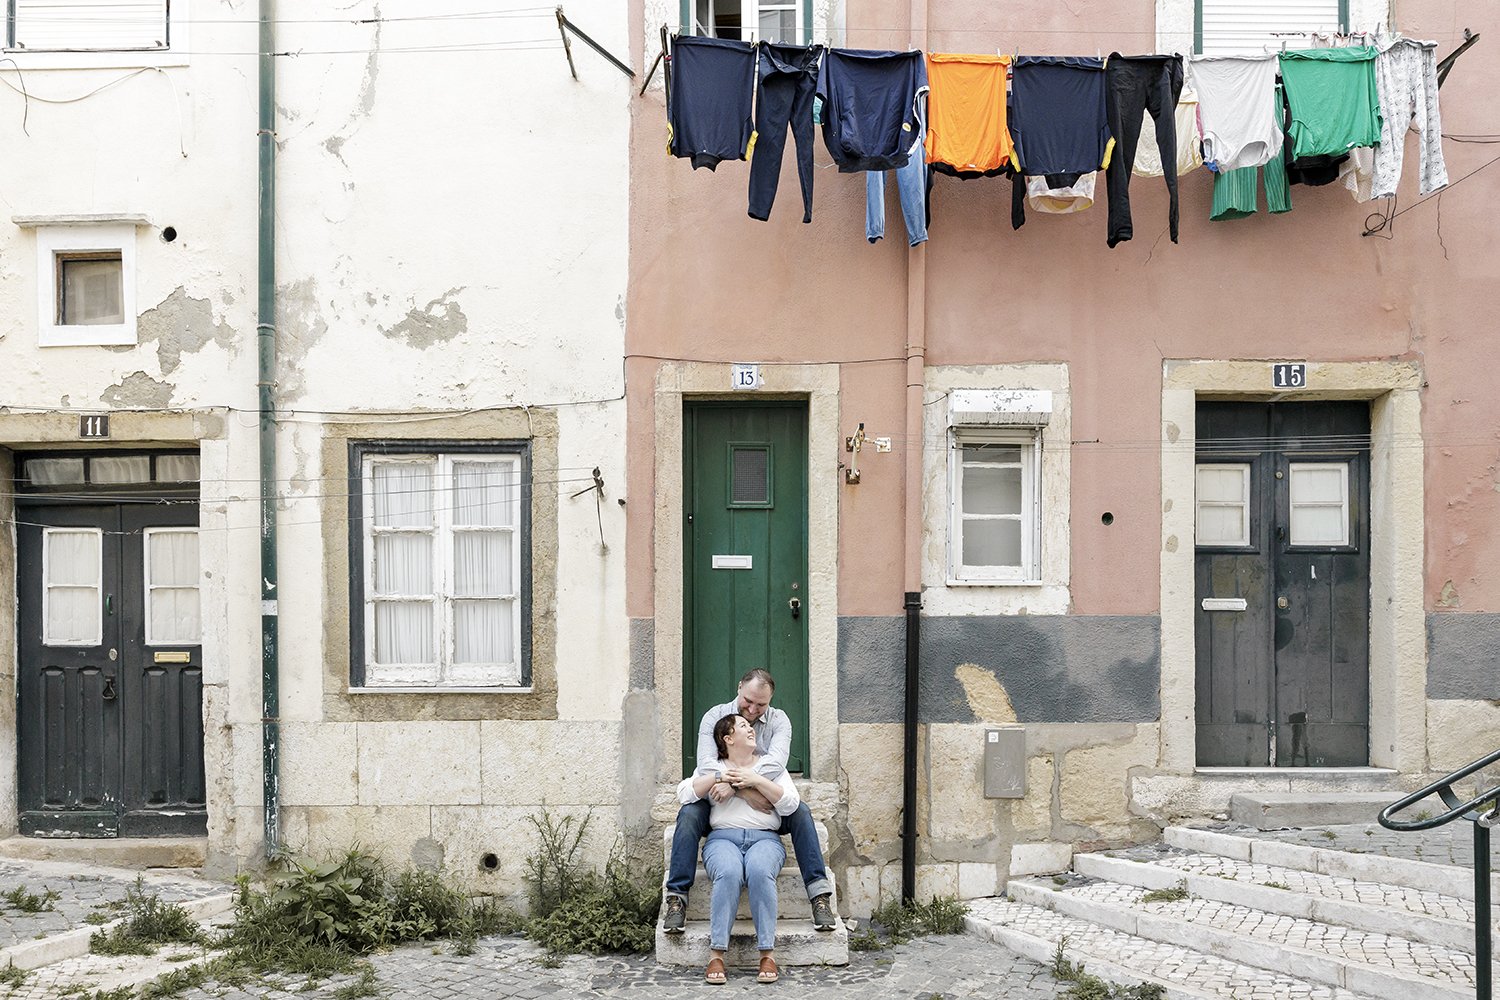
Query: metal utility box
[(1005, 763)]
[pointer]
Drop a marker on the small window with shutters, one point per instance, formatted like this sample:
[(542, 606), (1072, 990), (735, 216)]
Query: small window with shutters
[(1252, 27), (89, 25)]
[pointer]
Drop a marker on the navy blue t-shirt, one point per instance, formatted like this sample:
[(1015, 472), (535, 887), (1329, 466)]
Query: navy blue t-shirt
[(713, 83), (870, 110), (1057, 115)]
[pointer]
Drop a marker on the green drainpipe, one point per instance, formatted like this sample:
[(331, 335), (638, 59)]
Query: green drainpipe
[(265, 333)]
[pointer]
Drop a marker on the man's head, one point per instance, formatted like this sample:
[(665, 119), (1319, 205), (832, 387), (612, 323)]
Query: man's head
[(756, 689)]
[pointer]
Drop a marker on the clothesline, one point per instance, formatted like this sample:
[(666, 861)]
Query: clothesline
[(1304, 116)]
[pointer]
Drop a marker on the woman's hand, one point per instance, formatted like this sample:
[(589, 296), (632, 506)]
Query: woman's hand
[(721, 791)]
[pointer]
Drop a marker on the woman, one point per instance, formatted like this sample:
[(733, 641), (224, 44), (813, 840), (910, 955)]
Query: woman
[(743, 848)]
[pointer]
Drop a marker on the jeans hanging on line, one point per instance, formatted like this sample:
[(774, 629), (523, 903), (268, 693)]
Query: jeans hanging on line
[(911, 187), (788, 77), (1135, 85), (748, 859)]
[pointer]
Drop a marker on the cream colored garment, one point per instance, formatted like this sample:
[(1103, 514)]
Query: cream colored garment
[(1189, 142), (1060, 201)]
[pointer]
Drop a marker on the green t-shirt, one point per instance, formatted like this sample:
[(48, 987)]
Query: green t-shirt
[(1333, 100)]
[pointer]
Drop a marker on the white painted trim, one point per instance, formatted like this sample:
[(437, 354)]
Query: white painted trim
[(677, 381), (1398, 649), (176, 54), (54, 240)]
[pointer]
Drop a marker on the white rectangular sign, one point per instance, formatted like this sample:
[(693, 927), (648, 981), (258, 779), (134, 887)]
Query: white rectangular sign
[(745, 378)]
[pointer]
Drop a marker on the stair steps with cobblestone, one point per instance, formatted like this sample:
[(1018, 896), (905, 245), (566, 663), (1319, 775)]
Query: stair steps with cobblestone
[(797, 943), (1128, 959), (1376, 907), (1382, 965)]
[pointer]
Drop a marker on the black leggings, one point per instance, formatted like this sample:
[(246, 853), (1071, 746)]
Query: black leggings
[(788, 77), (1135, 85)]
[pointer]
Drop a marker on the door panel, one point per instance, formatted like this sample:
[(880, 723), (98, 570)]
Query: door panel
[(745, 502), (1286, 680), (110, 733)]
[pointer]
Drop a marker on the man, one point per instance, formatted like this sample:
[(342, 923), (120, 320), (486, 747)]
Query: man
[(773, 744)]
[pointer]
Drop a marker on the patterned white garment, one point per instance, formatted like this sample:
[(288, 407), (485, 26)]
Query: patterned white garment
[(1358, 172), (1406, 80), (1189, 141)]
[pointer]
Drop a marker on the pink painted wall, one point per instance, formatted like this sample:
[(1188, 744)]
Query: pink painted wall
[(709, 283)]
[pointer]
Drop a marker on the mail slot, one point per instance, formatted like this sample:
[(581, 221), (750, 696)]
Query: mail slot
[(173, 656), (732, 562), (1223, 604)]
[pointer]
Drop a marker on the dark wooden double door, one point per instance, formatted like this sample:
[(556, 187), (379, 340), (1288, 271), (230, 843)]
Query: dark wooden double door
[(1282, 596), (110, 676)]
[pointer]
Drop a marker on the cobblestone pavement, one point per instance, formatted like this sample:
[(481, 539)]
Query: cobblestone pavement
[(945, 967), (68, 896), (1396, 897), (1215, 976), (1381, 951), (1447, 845)]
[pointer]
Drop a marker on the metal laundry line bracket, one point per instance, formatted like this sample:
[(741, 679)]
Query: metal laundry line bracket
[(564, 26)]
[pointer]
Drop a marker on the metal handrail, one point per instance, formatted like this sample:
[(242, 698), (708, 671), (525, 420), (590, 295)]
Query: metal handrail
[(1483, 820)]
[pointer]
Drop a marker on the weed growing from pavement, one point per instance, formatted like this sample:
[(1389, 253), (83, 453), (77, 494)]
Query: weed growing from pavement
[(1086, 986), (148, 924), (12, 977), (1277, 885), (1175, 894), (364, 986), (26, 901), (901, 922)]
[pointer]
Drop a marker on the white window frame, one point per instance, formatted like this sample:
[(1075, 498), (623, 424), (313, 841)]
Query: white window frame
[(175, 53), (53, 244), (1342, 504), (149, 533), (446, 673), (750, 18), (1243, 503), (1029, 440), (47, 586)]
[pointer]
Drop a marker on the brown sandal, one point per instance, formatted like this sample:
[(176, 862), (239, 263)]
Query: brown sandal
[(715, 972), (768, 971)]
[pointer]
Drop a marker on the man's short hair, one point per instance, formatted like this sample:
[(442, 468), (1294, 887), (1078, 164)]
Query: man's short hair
[(759, 675)]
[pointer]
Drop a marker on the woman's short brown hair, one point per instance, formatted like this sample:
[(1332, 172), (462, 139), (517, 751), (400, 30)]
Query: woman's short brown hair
[(722, 729)]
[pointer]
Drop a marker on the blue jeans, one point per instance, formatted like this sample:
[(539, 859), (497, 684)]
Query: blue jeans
[(748, 859), (911, 185), (692, 827)]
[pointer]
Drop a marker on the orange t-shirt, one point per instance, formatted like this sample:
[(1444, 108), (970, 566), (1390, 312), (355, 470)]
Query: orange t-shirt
[(966, 127)]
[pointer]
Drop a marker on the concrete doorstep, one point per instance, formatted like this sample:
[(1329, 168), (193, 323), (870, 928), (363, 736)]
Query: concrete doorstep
[(75, 942)]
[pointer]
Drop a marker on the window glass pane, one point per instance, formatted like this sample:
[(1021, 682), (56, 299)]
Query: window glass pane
[(1319, 526), (992, 543), (778, 26), (404, 632), (173, 558), (482, 632), (726, 19), (1222, 524), (1222, 483), (1317, 484), (120, 469), (177, 468), (403, 565), (54, 471), (90, 292), (73, 558), (174, 616), (481, 564), (484, 493), (403, 494), (72, 615), (991, 490), (988, 451)]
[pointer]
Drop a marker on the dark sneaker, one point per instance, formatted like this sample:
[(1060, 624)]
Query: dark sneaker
[(822, 907), (675, 917)]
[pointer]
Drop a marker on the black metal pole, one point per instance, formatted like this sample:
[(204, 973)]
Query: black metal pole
[(909, 771), (1482, 917)]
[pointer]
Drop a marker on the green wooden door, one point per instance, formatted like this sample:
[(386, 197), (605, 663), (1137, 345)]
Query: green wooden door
[(745, 560)]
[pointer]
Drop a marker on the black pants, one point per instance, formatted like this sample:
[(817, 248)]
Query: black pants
[(788, 77), (1133, 86)]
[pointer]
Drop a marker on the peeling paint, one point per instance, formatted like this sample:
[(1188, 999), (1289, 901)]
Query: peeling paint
[(1448, 598), (987, 697), (138, 390), (440, 320), (299, 327), (365, 103), (180, 325)]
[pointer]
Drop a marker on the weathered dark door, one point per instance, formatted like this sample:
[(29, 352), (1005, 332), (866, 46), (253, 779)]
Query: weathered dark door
[(1283, 584), (745, 560), (110, 682)]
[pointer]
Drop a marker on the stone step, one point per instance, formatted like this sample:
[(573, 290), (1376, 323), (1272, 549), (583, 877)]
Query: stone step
[(1276, 810), (1127, 960), (1430, 917), (791, 897), (1380, 965), (1450, 880), (796, 944)]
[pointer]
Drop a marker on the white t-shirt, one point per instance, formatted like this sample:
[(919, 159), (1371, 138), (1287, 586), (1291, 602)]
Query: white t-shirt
[(738, 814)]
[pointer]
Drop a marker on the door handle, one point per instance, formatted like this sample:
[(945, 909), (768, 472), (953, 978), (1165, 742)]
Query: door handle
[(109, 688), (796, 607)]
